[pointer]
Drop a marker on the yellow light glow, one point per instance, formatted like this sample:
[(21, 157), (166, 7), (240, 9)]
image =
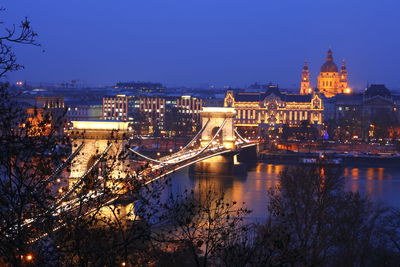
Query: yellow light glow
[(219, 109), (100, 125), (347, 90), (29, 257)]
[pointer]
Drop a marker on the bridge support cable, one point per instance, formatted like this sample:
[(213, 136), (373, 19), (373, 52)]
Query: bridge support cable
[(59, 169), (208, 144), (183, 149), (105, 204), (185, 165), (34, 240), (64, 164), (212, 139), (195, 154), (78, 183), (240, 137), (177, 154), (143, 156), (196, 136)]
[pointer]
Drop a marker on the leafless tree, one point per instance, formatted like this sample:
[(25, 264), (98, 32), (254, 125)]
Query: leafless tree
[(21, 34), (200, 228), (318, 223)]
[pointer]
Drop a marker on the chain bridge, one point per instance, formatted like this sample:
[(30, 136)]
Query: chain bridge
[(98, 146)]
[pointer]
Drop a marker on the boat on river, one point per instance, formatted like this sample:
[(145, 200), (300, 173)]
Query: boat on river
[(321, 160)]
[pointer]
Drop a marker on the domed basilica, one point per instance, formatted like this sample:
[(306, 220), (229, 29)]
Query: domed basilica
[(330, 81)]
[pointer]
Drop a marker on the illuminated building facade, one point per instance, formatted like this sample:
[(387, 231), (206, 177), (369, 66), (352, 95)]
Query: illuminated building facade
[(46, 115), (331, 81), (155, 113), (191, 106), (273, 108), (115, 108), (153, 110)]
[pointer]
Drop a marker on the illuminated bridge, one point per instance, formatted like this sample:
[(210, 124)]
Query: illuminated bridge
[(99, 146), (95, 140)]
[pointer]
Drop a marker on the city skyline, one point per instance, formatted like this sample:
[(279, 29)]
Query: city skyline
[(224, 43)]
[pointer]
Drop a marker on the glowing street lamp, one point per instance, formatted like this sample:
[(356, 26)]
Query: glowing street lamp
[(27, 257)]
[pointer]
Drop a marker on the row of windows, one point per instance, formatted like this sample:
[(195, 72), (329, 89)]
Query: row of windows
[(329, 83), (116, 110), (292, 115)]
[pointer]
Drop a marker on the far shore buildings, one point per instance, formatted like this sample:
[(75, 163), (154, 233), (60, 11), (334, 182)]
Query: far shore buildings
[(331, 102), (155, 112), (274, 108), (270, 106)]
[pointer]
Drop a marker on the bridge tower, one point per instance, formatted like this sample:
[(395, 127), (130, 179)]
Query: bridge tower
[(96, 137), (212, 119)]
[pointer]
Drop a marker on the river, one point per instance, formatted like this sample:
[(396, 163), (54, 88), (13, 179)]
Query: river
[(378, 183)]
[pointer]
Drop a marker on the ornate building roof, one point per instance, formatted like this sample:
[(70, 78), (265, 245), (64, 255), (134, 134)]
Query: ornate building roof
[(377, 90), (256, 97), (329, 65)]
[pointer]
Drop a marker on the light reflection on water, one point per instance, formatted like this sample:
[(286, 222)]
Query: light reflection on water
[(380, 184)]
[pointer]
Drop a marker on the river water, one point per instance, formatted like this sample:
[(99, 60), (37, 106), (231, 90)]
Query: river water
[(378, 183)]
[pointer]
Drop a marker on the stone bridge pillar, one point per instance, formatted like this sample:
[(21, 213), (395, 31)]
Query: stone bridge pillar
[(96, 136), (216, 116)]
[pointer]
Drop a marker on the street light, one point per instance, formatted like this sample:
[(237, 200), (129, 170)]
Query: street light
[(27, 257)]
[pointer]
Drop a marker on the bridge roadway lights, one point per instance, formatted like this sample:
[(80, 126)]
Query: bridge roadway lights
[(215, 116), (96, 136)]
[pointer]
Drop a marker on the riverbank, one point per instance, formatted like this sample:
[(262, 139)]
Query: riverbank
[(291, 157)]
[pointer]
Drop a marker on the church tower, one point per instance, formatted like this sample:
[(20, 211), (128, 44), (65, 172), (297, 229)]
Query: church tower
[(329, 79), (305, 87), (343, 79)]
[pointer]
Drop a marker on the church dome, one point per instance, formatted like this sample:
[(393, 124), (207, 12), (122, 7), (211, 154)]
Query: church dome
[(329, 65)]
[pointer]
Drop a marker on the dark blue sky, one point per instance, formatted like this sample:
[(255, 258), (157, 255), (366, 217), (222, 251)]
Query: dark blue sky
[(189, 42)]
